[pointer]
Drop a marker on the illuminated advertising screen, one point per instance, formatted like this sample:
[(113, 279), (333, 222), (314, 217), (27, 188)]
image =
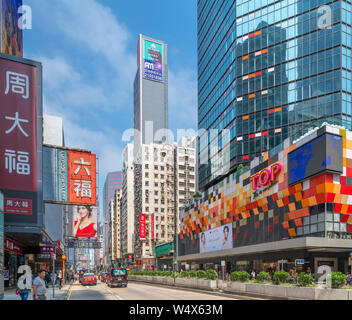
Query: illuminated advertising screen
[(11, 34), (153, 59), (323, 154), (21, 141), (85, 219), (82, 177), (216, 239)]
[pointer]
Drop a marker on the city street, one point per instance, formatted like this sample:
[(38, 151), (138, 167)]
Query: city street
[(137, 291)]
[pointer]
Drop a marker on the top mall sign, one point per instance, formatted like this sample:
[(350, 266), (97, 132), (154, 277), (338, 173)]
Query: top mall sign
[(266, 176)]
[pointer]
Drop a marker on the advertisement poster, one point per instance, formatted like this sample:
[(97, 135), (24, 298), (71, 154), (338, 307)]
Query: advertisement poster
[(82, 177), (85, 219), (153, 57), (142, 231), (11, 34), (216, 239)]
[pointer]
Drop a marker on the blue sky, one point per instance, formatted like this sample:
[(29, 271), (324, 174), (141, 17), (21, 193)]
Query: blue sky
[(88, 51)]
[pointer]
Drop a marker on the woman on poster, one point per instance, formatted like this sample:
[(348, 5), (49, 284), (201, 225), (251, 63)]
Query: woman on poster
[(83, 226)]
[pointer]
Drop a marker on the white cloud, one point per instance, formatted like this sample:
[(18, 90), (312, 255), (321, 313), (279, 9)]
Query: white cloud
[(183, 99), (94, 25), (66, 86)]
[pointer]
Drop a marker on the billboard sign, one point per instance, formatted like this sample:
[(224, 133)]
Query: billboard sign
[(11, 34), (84, 221), (55, 180), (152, 226), (21, 140), (216, 239), (153, 59), (12, 246), (323, 154), (142, 230), (47, 250), (82, 177)]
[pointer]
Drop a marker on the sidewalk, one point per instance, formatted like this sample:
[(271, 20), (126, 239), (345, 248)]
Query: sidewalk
[(10, 294)]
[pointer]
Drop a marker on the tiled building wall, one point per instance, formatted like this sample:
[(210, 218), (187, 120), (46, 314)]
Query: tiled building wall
[(320, 206)]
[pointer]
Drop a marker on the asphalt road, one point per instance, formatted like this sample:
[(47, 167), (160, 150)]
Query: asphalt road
[(137, 291)]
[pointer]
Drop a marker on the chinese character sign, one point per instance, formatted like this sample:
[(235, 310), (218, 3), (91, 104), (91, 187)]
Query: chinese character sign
[(142, 230), (18, 126), (152, 227), (82, 177)]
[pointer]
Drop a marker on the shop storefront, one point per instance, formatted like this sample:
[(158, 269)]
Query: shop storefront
[(13, 259), (164, 256), (291, 208)]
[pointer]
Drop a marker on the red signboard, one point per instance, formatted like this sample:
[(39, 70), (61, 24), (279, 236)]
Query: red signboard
[(138, 262), (82, 177), (12, 246), (152, 226), (18, 126), (47, 250), (142, 233), (18, 206)]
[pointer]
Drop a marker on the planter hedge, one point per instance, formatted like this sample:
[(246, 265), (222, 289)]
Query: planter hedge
[(262, 277), (240, 276), (211, 274), (338, 279), (305, 280), (281, 277)]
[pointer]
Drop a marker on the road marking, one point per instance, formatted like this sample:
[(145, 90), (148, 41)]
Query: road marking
[(69, 295), (115, 295)]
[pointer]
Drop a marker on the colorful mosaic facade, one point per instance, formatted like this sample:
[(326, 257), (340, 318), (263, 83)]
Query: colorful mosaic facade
[(320, 206)]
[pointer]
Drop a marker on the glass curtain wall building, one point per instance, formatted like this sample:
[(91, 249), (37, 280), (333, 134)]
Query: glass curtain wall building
[(265, 69)]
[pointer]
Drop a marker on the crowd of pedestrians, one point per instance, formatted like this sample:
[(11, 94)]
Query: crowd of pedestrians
[(41, 282)]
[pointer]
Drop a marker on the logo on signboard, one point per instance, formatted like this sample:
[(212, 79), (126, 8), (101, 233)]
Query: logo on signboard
[(266, 176), (82, 177)]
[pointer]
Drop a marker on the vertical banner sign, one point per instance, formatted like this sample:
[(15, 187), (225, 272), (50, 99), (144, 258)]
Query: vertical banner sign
[(82, 177), (152, 226), (153, 57), (62, 176), (18, 137), (142, 234), (11, 33)]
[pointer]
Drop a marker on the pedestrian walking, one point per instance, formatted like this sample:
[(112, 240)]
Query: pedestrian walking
[(39, 287), (59, 279), (47, 279), (253, 275)]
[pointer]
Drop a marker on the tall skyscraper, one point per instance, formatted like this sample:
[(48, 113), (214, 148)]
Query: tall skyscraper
[(151, 92), (127, 202), (113, 182), (266, 70)]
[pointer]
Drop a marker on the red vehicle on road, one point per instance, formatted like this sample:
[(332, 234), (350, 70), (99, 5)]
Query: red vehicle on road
[(103, 277), (89, 279)]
